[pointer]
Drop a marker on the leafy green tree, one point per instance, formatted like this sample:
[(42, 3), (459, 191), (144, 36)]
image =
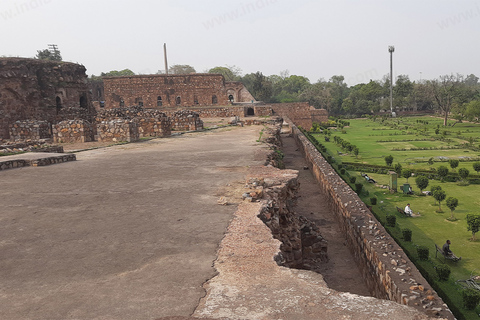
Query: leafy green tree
[(476, 166), (472, 110), (463, 173), (435, 188), (445, 91), (389, 160), (49, 55), (453, 163), (473, 222), (261, 87), (398, 169), (288, 89), (355, 151), (442, 172), (230, 73), (115, 73), (407, 173), (421, 182), (452, 203), (181, 69), (439, 195)]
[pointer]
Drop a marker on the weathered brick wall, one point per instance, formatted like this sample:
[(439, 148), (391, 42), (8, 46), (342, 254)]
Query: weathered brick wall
[(117, 130), (319, 116), (39, 89), (30, 130), (186, 120), (171, 90), (73, 131), (387, 270), (301, 113)]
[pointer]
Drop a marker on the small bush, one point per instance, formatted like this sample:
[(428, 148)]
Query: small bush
[(423, 253), (443, 272), (373, 201), (342, 171), (353, 179), (471, 298), (358, 187), (407, 234), (391, 220)]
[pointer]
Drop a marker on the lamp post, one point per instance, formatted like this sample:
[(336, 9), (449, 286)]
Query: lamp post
[(391, 49)]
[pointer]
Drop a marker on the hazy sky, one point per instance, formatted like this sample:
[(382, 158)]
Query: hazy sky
[(312, 38)]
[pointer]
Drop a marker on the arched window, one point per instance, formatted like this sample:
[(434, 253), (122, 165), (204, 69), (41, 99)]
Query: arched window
[(195, 100), (159, 101), (230, 97), (214, 99), (178, 100), (122, 103), (58, 102)]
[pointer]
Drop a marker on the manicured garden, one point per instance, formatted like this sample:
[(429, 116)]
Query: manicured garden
[(423, 146)]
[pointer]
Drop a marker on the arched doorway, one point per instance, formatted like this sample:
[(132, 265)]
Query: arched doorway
[(178, 100), (58, 103), (250, 112), (214, 99), (159, 101), (231, 98), (83, 102)]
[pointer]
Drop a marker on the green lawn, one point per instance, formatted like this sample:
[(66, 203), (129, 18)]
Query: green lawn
[(375, 140)]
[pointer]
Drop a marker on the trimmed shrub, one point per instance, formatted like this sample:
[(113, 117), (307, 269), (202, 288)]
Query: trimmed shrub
[(373, 201), (342, 171), (423, 252), (407, 234), (443, 272), (391, 220), (471, 298), (358, 187), (353, 179)]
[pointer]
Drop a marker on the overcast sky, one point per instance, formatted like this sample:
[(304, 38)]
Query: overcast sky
[(312, 38)]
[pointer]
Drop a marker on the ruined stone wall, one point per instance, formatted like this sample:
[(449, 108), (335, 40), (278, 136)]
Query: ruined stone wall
[(117, 130), (29, 130), (186, 120), (150, 122), (300, 113), (387, 270), (164, 91), (71, 131), (319, 116), (32, 89)]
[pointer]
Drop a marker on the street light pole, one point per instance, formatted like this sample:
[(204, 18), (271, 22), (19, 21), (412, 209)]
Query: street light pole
[(391, 49)]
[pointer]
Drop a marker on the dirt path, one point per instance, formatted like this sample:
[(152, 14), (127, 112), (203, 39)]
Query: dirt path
[(341, 272)]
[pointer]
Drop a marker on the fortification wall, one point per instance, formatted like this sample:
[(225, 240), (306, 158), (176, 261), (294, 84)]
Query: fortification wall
[(71, 131), (387, 270), (29, 130), (164, 91)]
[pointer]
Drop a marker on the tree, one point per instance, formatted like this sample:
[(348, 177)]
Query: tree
[(115, 73), (444, 92), (442, 172), (463, 173), (453, 163), (473, 222), (439, 195), (476, 166), (398, 169), (181, 69), (422, 182), (258, 85), (230, 73), (389, 160), (355, 151), (452, 203), (472, 110), (407, 173), (433, 189), (46, 54)]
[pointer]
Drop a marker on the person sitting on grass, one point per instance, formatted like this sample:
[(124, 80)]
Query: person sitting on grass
[(448, 253), (408, 211)]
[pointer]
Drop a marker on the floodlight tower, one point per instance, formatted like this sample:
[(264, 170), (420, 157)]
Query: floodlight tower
[(391, 49)]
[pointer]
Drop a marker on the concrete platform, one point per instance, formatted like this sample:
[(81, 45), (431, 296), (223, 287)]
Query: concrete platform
[(34, 159)]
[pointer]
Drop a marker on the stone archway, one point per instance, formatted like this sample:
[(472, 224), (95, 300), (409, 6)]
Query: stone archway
[(250, 111)]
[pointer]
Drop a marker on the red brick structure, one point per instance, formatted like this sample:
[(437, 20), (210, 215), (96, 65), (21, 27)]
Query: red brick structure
[(164, 91), (32, 89), (236, 92)]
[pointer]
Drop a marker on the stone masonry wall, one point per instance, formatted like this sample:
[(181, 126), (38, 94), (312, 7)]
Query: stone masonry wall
[(387, 270), (117, 130), (164, 91), (71, 131), (30, 130), (185, 120)]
